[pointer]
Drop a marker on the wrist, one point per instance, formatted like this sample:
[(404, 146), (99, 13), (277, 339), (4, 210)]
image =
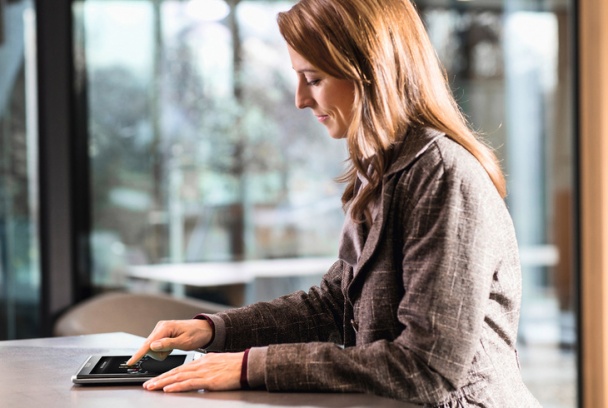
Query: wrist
[(217, 341), (210, 326)]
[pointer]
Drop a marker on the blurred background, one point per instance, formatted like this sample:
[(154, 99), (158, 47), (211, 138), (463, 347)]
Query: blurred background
[(192, 172)]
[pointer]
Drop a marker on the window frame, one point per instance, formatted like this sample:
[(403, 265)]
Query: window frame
[(592, 106), (63, 167)]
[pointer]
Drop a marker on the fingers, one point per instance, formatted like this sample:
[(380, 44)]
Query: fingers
[(157, 350), (178, 384), (183, 378), (154, 343), (159, 355), (139, 354), (180, 378), (211, 372), (169, 335)]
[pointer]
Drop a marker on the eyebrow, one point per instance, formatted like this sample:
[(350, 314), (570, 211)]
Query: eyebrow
[(301, 71)]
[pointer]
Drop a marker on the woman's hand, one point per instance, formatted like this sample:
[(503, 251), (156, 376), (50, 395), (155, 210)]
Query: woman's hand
[(214, 372), (174, 334)]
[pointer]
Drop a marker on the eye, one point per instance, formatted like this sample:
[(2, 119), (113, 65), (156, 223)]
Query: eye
[(312, 82)]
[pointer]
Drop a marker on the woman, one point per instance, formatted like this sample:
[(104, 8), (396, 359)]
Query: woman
[(423, 302)]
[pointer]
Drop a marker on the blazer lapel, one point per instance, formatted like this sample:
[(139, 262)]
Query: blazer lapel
[(416, 142)]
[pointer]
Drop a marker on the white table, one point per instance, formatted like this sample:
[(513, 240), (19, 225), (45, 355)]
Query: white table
[(210, 274)]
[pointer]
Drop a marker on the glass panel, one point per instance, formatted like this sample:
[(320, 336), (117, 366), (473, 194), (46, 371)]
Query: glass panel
[(19, 253), (510, 69), (197, 154)]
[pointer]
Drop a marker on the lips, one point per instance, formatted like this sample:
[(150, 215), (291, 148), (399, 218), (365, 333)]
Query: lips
[(322, 118)]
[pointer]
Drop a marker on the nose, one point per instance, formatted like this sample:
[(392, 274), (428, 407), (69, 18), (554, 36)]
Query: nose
[(303, 98)]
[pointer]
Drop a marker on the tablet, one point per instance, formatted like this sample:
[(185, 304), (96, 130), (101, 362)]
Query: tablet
[(110, 369)]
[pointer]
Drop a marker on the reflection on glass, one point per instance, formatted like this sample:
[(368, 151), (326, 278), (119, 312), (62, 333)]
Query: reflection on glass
[(19, 250)]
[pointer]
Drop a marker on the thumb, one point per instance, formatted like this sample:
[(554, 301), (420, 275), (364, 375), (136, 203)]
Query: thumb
[(160, 349), (162, 345), (158, 355)]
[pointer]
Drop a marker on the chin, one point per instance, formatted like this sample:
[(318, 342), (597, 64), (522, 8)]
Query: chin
[(336, 135)]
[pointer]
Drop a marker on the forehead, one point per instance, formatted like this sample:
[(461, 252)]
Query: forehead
[(299, 63)]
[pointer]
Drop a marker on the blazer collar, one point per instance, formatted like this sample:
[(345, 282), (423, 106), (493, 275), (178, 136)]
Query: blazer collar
[(415, 143)]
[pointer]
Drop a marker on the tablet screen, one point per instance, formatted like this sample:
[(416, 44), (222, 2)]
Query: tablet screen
[(111, 365)]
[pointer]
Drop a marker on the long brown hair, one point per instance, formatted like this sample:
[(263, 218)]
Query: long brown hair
[(383, 48)]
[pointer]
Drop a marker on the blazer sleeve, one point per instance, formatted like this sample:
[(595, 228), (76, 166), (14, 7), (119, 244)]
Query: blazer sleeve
[(296, 318), (450, 253)]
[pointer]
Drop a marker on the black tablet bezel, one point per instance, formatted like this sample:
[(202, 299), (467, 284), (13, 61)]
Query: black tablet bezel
[(84, 376)]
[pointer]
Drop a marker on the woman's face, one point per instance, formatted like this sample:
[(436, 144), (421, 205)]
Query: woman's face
[(330, 99)]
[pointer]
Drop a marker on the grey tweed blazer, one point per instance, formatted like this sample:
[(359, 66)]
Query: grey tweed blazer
[(428, 313)]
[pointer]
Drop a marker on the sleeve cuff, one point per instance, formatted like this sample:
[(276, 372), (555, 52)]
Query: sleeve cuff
[(244, 382), (218, 339), (256, 367)]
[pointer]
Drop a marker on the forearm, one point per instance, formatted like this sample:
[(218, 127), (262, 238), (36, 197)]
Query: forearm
[(383, 368), (290, 319), (299, 317)]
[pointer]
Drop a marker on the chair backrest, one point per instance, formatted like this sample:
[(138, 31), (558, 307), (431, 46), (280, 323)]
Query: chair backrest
[(128, 312)]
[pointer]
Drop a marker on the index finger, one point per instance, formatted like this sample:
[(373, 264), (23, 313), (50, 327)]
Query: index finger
[(139, 354)]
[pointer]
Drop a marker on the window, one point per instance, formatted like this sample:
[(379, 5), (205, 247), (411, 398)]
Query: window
[(19, 246), (197, 153)]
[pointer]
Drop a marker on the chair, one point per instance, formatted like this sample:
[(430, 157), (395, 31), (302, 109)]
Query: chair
[(128, 312)]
